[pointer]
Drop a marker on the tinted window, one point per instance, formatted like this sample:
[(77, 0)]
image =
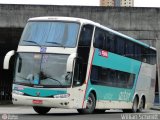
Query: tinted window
[(104, 40), (137, 52), (86, 35), (50, 34), (110, 77), (152, 57), (99, 38), (129, 49), (84, 48), (144, 54), (111, 42), (119, 45)]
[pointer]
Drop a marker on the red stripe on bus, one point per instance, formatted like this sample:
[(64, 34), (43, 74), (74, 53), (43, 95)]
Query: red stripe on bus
[(88, 78)]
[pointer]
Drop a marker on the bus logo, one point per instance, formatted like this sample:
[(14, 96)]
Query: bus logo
[(103, 53), (43, 49), (38, 94)]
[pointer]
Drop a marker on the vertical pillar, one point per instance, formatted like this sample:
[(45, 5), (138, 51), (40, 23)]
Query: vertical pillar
[(158, 65)]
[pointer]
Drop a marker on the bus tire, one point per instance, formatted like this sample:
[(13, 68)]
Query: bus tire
[(141, 105), (41, 110), (90, 107), (134, 107)]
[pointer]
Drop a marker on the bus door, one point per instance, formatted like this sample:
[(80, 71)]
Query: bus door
[(81, 63)]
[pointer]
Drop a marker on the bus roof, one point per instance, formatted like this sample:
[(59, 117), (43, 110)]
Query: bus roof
[(59, 18), (86, 21), (127, 37)]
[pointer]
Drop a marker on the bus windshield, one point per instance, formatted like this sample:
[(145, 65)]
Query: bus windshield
[(42, 69), (50, 33)]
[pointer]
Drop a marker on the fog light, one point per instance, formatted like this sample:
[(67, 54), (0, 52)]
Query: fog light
[(17, 92)]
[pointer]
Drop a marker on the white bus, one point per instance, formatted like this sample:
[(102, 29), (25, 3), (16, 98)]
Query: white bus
[(65, 62)]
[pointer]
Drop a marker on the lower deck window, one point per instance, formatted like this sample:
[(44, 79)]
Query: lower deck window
[(110, 77)]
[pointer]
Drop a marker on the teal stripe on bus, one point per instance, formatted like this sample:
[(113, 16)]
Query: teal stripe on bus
[(111, 93), (117, 62), (43, 92)]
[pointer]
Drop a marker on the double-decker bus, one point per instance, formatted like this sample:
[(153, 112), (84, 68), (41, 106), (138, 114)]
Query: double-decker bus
[(65, 62)]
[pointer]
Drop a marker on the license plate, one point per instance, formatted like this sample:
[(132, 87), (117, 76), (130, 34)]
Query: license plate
[(37, 101)]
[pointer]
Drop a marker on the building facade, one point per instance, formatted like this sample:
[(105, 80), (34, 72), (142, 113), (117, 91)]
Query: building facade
[(118, 3), (127, 3), (106, 2)]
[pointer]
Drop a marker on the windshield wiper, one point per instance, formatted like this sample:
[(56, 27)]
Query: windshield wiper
[(32, 42), (43, 76), (61, 45), (55, 80), (25, 79)]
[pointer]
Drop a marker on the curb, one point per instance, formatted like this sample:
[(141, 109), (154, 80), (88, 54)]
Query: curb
[(156, 108)]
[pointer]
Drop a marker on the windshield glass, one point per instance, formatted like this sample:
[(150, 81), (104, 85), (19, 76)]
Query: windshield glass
[(42, 69), (54, 33)]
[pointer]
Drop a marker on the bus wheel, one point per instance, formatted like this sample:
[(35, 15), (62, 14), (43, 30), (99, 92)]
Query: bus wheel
[(90, 107), (134, 107), (41, 110), (141, 105)]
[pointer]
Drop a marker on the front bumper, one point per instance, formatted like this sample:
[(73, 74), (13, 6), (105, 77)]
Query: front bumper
[(46, 102)]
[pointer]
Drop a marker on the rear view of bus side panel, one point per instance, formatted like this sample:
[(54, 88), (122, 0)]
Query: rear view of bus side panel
[(113, 77), (146, 83)]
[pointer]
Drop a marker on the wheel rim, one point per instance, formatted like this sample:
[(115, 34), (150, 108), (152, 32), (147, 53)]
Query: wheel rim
[(89, 103), (141, 105), (135, 105)]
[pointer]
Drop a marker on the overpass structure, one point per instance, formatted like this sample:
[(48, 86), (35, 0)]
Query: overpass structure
[(140, 23)]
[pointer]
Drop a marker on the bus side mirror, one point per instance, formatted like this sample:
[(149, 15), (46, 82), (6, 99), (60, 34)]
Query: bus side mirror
[(7, 59), (70, 62)]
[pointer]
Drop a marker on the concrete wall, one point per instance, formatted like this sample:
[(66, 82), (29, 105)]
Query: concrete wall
[(140, 23)]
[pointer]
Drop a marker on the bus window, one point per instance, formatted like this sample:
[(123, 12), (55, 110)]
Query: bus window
[(84, 47), (77, 79), (50, 34), (137, 52), (144, 55), (148, 55), (121, 79), (113, 77), (111, 42), (129, 49), (107, 43), (120, 46), (86, 35), (104, 75), (152, 57), (109, 77), (99, 37), (130, 81), (94, 75)]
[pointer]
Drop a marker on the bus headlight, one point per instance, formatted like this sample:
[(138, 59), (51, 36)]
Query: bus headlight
[(61, 96), (17, 92)]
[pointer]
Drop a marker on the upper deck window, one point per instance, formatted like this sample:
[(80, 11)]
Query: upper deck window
[(50, 33)]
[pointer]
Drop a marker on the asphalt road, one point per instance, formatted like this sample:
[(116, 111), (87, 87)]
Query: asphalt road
[(27, 113)]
